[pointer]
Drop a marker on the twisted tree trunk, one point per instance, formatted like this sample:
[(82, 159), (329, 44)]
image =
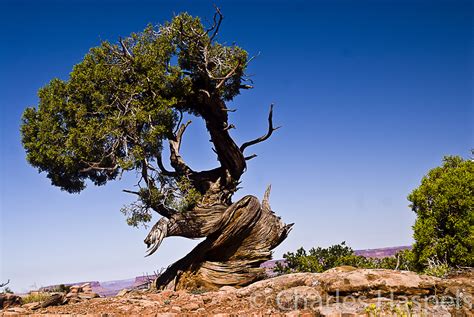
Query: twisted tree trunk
[(239, 238)]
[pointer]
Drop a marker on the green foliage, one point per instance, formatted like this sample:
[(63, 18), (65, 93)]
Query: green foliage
[(62, 288), (180, 196), (444, 205), (372, 310), (118, 105), (319, 259), (188, 197), (122, 101)]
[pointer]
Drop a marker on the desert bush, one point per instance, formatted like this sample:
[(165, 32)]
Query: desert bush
[(319, 259), (34, 297), (61, 288), (444, 206)]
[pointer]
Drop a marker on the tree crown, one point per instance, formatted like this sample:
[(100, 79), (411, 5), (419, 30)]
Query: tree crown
[(444, 205), (124, 99)]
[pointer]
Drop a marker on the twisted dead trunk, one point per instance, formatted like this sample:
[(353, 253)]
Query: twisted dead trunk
[(238, 241)]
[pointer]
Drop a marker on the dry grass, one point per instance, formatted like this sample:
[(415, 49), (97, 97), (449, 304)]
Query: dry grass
[(31, 298)]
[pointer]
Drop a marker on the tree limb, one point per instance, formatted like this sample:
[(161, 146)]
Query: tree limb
[(263, 137), (163, 169), (125, 50), (176, 160), (5, 284), (217, 23)]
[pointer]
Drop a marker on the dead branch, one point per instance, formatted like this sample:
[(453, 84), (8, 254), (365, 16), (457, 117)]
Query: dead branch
[(217, 23), (125, 50), (131, 192), (175, 144), (263, 137), (230, 126), (164, 171), (4, 284)]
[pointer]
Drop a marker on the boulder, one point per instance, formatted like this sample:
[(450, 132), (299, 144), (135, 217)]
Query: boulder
[(376, 282), (32, 306), (53, 300), (9, 300)]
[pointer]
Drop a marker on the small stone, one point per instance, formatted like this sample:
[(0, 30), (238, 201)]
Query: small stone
[(191, 306), (227, 289), (17, 310), (9, 300), (166, 293), (176, 309), (32, 306)]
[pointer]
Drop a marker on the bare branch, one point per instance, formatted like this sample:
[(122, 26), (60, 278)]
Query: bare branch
[(217, 23), (156, 236), (230, 126), (179, 122), (164, 171), (176, 160), (96, 167), (131, 192), (205, 92), (180, 132), (125, 50), (266, 199), (250, 157), (5, 284), (263, 137)]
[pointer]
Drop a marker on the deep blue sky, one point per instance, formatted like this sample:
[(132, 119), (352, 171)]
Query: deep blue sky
[(370, 94)]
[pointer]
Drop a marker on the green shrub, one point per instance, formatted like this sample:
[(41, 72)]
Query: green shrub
[(444, 205), (62, 288), (319, 259)]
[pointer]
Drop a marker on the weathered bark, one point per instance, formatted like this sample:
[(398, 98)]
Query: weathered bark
[(239, 236), (239, 239)]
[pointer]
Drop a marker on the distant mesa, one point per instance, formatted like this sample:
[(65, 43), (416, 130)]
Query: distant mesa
[(382, 252), (111, 288)]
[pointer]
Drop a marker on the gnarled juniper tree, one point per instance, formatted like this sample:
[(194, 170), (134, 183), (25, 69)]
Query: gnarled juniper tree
[(115, 113)]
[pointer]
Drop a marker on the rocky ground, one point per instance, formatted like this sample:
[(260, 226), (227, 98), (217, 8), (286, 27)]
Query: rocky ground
[(343, 291)]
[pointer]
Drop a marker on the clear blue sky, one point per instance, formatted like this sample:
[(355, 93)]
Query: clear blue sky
[(370, 94)]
